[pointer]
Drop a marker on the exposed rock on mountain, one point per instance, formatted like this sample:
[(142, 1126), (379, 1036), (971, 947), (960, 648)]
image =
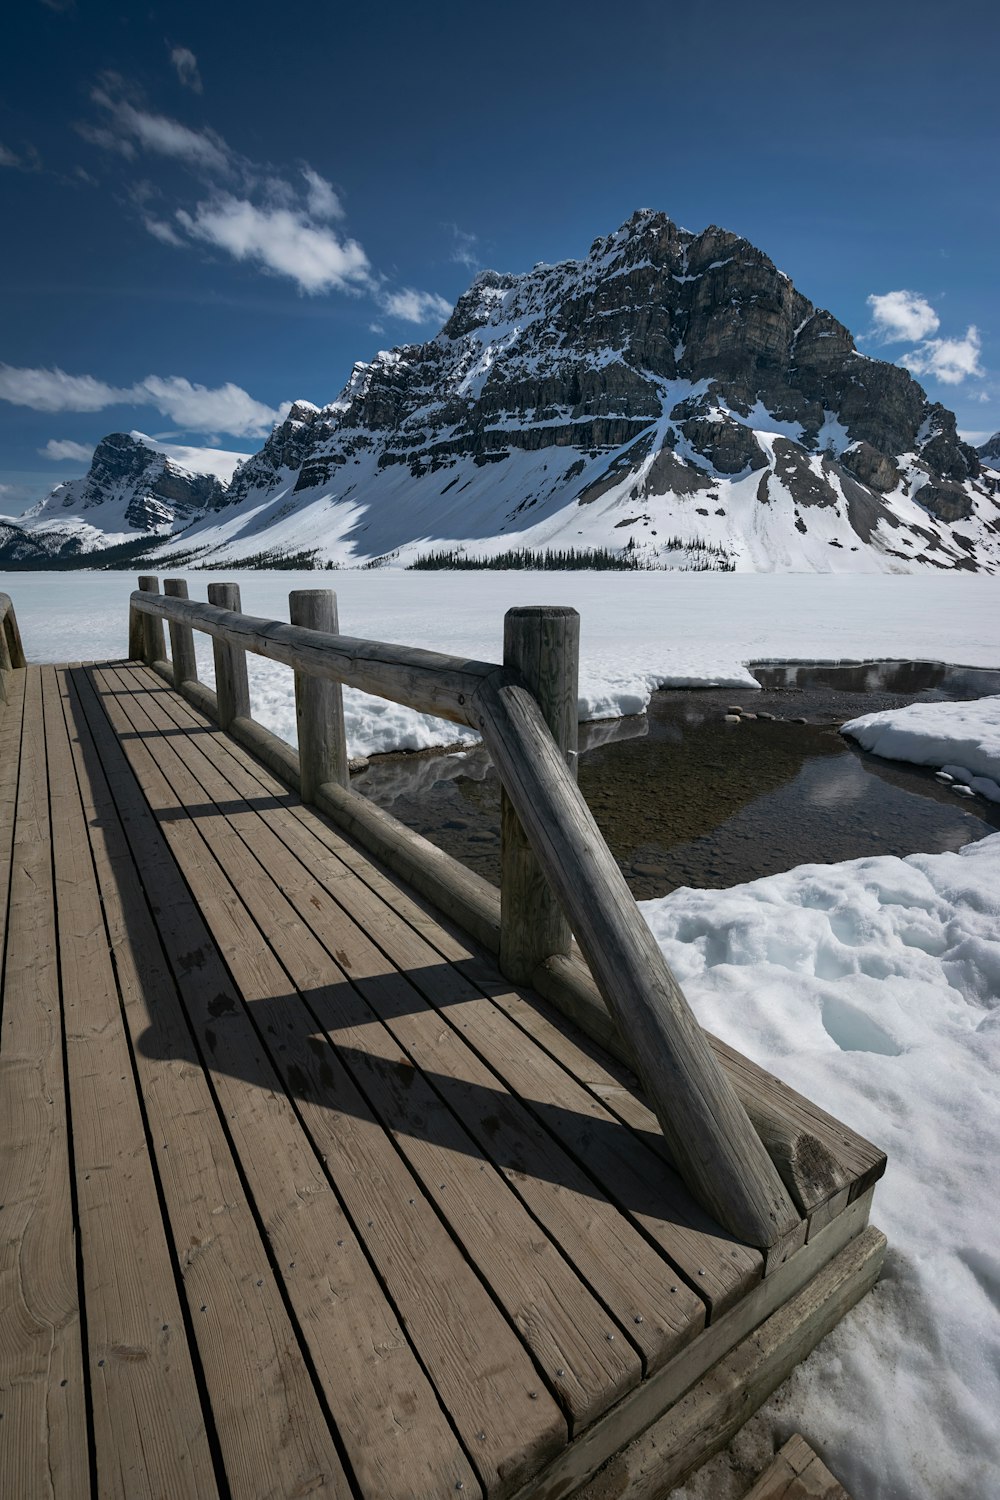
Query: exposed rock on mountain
[(990, 451), (671, 394)]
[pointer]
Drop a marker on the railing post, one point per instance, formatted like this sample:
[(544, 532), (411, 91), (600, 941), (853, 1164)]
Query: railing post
[(232, 688), (542, 643), (154, 646), (319, 703), (6, 665), (181, 637)]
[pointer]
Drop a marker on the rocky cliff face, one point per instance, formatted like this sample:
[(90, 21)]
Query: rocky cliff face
[(671, 394)]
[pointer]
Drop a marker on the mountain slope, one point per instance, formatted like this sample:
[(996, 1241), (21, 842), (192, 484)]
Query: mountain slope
[(670, 395)]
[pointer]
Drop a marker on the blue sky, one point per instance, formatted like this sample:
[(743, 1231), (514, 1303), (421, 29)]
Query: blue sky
[(209, 211)]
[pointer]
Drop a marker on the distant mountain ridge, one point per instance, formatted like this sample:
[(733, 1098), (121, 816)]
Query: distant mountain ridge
[(671, 394)]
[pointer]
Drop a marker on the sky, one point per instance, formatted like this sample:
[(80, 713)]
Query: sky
[(207, 212)]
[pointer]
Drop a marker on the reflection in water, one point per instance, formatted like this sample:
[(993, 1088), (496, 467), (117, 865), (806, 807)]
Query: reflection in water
[(684, 798)]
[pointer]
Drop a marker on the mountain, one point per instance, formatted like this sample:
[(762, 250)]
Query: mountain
[(133, 492), (671, 397), (989, 452)]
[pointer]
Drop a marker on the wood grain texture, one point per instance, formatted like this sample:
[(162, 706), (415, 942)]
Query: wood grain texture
[(153, 643), (425, 680), (149, 1431), (182, 654), (542, 645), (797, 1473), (394, 1431), (717, 1151), (270, 1426), (12, 636), (232, 688), (708, 1416), (319, 703), (44, 1447)]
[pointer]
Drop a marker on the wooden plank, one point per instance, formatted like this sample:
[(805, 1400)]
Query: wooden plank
[(425, 680), (797, 1473), (319, 704), (396, 1436), (475, 1358), (717, 1152), (11, 721), (640, 1408), (542, 644), (272, 1433), (608, 1160), (44, 1446), (598, 1243), (708, 1416), (149, 1430)]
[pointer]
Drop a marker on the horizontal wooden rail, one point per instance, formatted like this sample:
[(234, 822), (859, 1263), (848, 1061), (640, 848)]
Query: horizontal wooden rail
[(428, 681), (11, 650), (713, 1143)]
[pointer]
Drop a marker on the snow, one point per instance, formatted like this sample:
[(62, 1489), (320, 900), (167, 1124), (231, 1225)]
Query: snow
[(871, 986), (874, 988), (221, 462), (960, 738), (639, 631)]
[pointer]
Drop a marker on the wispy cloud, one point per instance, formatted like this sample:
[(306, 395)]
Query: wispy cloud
[(907, 317), (948, 360), (27, 161), (465, 250), (186, 67), (64, 448), (414, 307), (8, 158), (284, 224), (902, 315), (280, 240), (194, 408)]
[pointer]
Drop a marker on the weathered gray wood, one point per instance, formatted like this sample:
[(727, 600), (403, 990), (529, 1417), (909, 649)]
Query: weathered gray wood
[(797, 1473), (272, 1434), (708, 1416), (425, 680), (396, 1435), (136, 634), (657, 1394), (11, 644), (542, 644), (154, 646), (149, 1430), (814, 1154), (232, 689), (714, 1146), (319, 703), (43, 1434), (275, 752), (181, 637)]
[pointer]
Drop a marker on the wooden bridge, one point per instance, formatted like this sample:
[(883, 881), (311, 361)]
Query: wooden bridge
[(326, 1168)]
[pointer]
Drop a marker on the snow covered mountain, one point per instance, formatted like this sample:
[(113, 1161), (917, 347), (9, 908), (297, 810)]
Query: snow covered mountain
[(989, 452), (671, 396), (133, 492)]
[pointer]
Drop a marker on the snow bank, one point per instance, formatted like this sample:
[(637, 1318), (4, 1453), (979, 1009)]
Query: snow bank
[(874, 987), (963, 739), (638, 632)]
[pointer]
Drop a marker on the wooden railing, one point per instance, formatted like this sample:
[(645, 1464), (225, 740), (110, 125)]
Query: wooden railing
[(558, 874), (11, 650)]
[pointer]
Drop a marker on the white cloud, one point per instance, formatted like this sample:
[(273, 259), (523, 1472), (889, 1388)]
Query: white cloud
[(159, 134), (321, 198), (902, 315), (948, 360), (8, 158), (415, 307), (466, 248), (195, 408), (162, 231), (282, 241), (186, 66), (65, 448)]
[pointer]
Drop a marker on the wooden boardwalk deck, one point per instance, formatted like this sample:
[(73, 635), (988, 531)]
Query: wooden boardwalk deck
[(297, 1194)]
